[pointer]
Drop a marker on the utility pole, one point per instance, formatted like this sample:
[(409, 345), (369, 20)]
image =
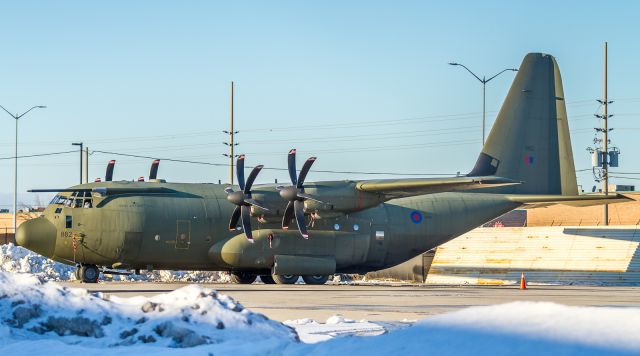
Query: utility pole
[(81, 152), (231, 139), (231, 143), (603, 157), (86, 164), (605, 142)]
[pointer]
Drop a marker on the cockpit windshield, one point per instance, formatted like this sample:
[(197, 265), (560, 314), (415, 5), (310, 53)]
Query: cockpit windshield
[(75, 200)]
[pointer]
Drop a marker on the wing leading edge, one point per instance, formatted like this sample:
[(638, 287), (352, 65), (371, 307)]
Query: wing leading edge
[(398, 188)]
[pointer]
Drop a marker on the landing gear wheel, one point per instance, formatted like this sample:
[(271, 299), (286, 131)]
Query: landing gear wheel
[(285, 278), (316, 279), (76, 273), (243, 277), (268, 279), (89, 274)]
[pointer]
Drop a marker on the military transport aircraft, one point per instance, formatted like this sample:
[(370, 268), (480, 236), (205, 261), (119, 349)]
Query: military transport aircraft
[(341, 226)]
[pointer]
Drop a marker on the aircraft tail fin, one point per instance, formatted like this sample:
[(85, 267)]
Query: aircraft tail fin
[(529, 141)]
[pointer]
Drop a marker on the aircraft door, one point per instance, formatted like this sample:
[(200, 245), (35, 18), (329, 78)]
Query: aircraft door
[(378, 247)]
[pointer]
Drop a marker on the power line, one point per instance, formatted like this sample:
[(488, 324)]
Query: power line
[(39, 155), (267, 168)]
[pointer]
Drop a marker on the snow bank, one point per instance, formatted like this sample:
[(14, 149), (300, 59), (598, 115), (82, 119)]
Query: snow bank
[(45, 318), (18, 259), (518, 328), (188, 317)]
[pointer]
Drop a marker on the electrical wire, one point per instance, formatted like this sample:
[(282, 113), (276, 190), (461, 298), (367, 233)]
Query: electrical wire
[(40, 155)]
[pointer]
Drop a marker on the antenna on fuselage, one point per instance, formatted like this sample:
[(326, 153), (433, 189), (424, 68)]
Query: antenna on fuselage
[(109, 175)]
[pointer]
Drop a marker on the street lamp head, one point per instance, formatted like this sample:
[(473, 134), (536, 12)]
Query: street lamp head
[(41, 107), (454, 64), (513, 69), (77, 144)]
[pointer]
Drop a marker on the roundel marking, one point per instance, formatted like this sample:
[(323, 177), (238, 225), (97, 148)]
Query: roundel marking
[(416, 217)]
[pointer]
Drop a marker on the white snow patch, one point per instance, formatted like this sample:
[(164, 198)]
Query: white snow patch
[(518, 328), (187, 317), (310, 331), (18, 259)]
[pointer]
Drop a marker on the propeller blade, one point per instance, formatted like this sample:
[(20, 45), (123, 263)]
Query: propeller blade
[(109, 175), (246, 222), (255, 203), (240, 171), (299, 211), (307, 196), (303, 172), (292, 166), (234, 219), (288, 215), (252, 178), (153, 174)]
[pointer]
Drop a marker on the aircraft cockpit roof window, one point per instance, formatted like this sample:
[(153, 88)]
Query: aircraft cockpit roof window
[(83, 200), (58, 200)]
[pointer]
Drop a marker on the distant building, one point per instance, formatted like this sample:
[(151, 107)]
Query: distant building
[(622, 188)]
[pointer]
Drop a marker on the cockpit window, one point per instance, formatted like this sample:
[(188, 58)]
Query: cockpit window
[(58, 200), (75, 200)]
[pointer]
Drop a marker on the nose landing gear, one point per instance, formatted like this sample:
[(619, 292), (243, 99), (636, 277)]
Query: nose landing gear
[(87, 273)]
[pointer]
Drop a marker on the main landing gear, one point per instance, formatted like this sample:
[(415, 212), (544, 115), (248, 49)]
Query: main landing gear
[(87, 273), (248, 278), (243, 277)]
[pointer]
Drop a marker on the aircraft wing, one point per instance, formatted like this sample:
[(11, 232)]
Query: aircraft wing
[(397, 188), (106, 191), (536, 201)]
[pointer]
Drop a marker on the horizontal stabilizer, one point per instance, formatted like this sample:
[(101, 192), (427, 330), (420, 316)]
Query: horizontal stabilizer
[(535, 201), (397, 188)]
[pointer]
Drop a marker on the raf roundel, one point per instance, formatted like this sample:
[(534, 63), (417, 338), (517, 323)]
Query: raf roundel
[(416, 217)]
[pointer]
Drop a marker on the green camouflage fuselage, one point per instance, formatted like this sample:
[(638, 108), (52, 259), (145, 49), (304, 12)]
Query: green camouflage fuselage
[(189, 230)]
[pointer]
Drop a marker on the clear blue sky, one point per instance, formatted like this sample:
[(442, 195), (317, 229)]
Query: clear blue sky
[(329, 78)]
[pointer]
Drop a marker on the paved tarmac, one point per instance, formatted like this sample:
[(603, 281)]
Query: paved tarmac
[(380, 302)]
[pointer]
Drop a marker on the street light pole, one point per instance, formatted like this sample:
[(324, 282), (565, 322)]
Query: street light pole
[(81, 145), (484, 82), (15, 166)]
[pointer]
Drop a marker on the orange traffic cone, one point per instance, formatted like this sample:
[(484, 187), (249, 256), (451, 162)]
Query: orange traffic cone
[(523, 282)]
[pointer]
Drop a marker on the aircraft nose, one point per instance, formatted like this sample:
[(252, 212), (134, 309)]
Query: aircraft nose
[(37, 235)]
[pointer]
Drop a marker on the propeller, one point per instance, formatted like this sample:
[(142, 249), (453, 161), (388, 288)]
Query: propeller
[(109, 175), (242, 199), (295, 194), (153, 173)]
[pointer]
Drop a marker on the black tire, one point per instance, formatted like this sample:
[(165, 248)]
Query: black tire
[(285, 278), (316, 279), (243, 277), (89, 274), (76, 273), (268, 279)]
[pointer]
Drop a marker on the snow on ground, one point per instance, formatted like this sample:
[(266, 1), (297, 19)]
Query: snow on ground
[(310, 331), (33, 310), (517, 328), (39, 317), (18, 259)]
